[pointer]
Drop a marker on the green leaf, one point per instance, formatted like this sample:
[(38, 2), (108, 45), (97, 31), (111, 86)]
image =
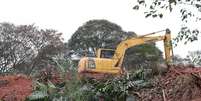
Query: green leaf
[(198, 5), (154, 15), (61, 68), (148, 15), (42, 86), (160, 15), (51, 85), (151, 7), (37, 95), (136, 7), (142, 1)]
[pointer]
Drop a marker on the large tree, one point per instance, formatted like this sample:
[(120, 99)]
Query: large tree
[(104, 34), (25, 47), (187, 10), (96, 34)]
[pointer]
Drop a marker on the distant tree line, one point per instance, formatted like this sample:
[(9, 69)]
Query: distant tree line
[(25, 48)]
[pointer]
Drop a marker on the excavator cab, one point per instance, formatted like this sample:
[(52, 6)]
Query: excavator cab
[(99, 66), (105, 53)]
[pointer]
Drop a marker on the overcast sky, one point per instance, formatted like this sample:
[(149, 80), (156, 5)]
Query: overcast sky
[(67, 15)]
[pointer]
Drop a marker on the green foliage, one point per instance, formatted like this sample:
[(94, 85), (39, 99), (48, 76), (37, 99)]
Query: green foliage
[(154, 8), (187, 35), (69, 89), (43, 92), (25, 48), (97, 34), (47, 91), (64, 66), (142, 56), (194, 57), (38, 95), (187, 10), (118, 88), (77, 91)]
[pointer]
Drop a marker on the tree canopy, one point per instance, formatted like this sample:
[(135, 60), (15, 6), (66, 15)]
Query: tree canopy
[(24, 47), (97, 34)]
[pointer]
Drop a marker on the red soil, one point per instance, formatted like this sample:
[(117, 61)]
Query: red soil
[(15, 87)]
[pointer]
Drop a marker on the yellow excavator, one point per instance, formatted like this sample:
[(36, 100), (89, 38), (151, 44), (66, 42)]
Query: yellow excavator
[(109, 61)]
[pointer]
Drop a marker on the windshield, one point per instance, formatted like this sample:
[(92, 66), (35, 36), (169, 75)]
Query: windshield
[(107, 53)]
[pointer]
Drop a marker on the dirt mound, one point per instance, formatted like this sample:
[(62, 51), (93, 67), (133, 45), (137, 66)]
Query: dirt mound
[(178, 84), (15, 87)]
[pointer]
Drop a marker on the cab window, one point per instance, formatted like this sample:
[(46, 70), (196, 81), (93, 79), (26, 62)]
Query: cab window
[(107, 53)]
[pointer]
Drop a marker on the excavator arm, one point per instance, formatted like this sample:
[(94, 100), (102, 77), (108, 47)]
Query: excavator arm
[(124, 45)]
